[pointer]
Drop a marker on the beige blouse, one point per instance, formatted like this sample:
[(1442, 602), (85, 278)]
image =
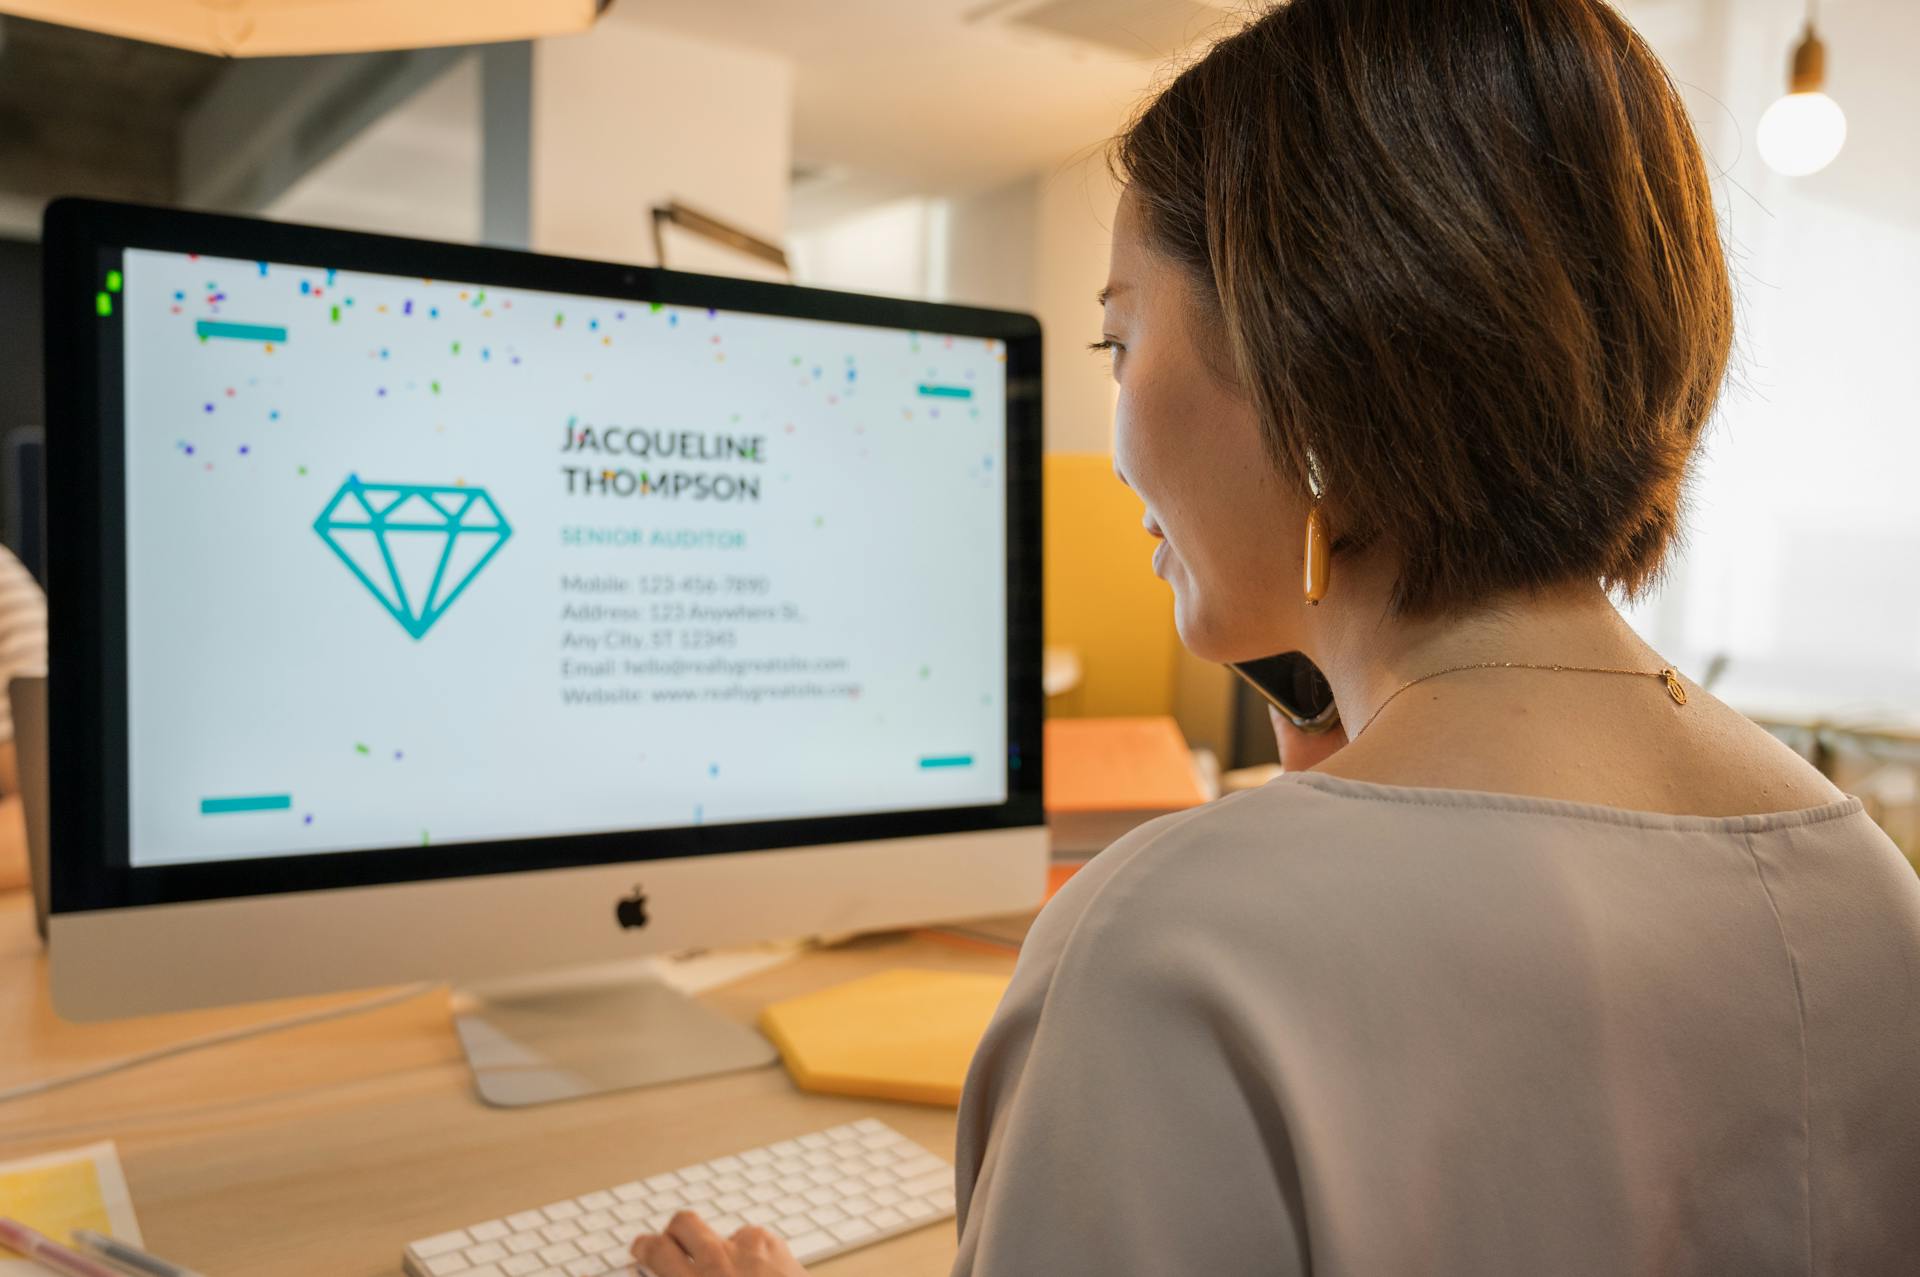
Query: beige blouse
[(1342, 1028)]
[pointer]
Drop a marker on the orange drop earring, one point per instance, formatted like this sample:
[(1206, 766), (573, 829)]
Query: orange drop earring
[(1318, 554)]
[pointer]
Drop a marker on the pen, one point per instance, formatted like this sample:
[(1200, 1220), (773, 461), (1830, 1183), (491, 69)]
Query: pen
[(48, 1253), (129, 1256)]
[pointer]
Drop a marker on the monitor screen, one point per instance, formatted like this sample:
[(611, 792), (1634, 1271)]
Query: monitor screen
[(422, 563)]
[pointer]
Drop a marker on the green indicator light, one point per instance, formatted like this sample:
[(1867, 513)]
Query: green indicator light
[(103, 303), (113, 281)]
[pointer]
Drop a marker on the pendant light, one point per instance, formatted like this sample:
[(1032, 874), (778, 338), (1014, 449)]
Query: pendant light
[(263, 28), (1803, 131)]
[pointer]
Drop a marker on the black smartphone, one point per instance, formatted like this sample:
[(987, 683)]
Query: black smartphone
[(1295, 686)]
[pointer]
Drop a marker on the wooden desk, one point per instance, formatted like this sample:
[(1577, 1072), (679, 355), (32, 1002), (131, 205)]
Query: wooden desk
[(326, 1149)]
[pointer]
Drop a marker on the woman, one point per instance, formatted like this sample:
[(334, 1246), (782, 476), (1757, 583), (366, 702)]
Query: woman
[(1555, 964)]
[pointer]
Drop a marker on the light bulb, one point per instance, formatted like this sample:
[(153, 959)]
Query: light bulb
[(1801, 133)]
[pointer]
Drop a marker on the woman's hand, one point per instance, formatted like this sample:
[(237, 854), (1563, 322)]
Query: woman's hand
[(1298, 749), (691, 1249)]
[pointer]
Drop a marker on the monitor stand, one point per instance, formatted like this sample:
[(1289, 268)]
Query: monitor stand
[(560, 1038)]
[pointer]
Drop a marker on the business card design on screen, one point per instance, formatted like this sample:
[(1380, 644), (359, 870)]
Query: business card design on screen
[(415, 546)]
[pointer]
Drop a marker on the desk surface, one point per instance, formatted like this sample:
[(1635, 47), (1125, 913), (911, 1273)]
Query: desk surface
[(326, 1149)]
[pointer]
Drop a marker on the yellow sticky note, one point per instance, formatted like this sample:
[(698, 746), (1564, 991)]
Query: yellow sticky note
[(55, 1199), (59, 1192), (905, 1034)]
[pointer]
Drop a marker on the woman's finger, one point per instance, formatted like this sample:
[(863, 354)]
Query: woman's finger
[(662, 1256), (705, 1246)]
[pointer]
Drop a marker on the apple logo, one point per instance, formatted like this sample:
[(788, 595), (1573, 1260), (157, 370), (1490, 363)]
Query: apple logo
[(632, 911)]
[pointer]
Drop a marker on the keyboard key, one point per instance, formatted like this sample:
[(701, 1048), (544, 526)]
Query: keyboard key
[(821, 1196), (810, 1246), (661, 1183), (559, 1252), (525, 1219), (485, 1253), (587, 1266), (726, 1225), (845, 1132), (794, 1225), (852, 1230), (562, 1210), (920, 1166), (826, 1215), (522, 1265), (759, 1215), (521, 1243), (758, 1157), (860, 1204), (886, 1217), (791, 1205), (595, 1242), (491, 1231), (916, 1210), (560, 1232), (696, 1174), (785, 1148), (815, 1140), (726, 1165), (594, 1220), (886, 1196), (870, 1126), (445, 1243), (445, 1265), (631, 1192), (942, 1178)]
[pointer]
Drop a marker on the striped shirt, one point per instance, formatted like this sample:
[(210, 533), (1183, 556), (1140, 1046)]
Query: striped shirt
[(23, 630)]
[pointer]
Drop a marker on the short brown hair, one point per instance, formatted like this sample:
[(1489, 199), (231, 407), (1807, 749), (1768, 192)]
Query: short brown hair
[(1465, 263)]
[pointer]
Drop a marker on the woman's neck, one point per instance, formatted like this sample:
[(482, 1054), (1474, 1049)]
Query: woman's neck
[(1367, 653)]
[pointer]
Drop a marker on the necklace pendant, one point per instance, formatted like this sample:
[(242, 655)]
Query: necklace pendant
[(1674, 689)]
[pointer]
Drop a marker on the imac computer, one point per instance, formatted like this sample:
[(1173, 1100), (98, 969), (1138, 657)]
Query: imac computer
[(433, 612)]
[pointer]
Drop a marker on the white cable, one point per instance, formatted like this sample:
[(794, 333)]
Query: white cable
[(214, 1039)]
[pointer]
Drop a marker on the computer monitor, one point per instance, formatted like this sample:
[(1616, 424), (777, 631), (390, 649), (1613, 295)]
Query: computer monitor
[(431, 611)]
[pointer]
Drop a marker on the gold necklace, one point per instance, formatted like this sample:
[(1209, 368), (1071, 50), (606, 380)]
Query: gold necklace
[(1665, 675)]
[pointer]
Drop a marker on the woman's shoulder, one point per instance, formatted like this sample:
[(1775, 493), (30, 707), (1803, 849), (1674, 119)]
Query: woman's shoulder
[(1308, 858), (1162, 864)]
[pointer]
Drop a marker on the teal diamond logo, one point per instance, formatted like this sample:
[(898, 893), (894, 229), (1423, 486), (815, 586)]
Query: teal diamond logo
[(415, 546)]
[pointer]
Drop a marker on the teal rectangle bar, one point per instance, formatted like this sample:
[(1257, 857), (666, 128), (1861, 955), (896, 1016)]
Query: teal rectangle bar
[(948, 760), (251, 802), (239, 332), (947, 392)]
